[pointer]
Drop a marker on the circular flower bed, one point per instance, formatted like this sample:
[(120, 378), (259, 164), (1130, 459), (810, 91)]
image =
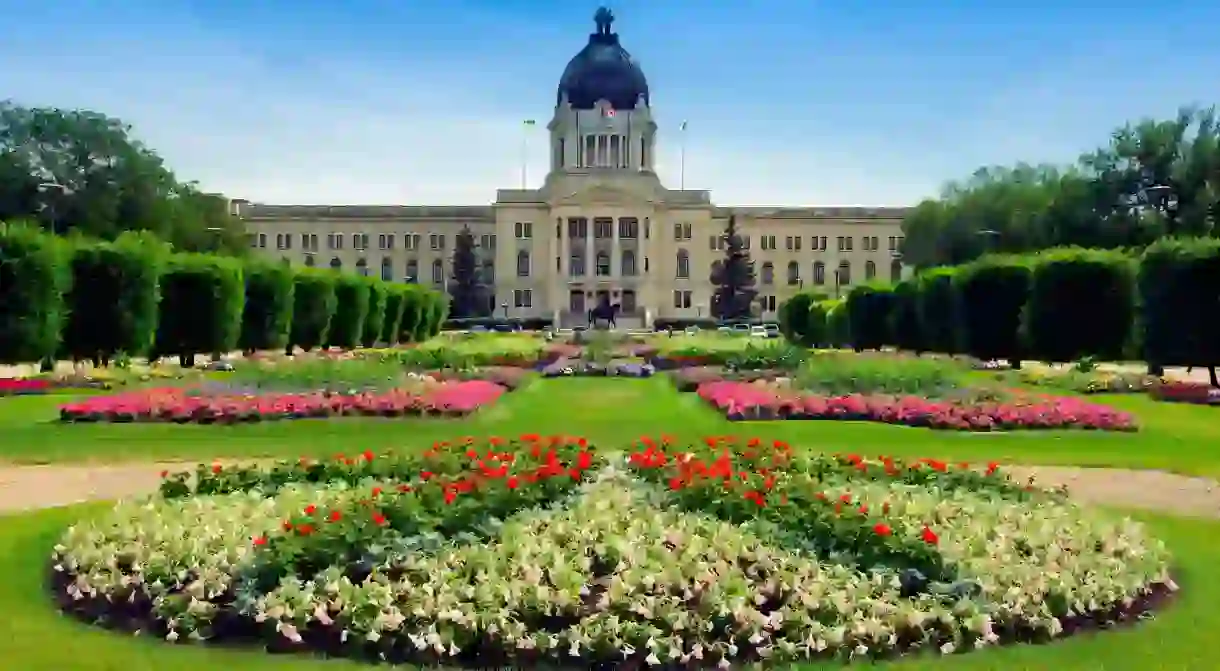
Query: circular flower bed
[(547, 550)]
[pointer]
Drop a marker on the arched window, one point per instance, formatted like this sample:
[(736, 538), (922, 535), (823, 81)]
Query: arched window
[(523, 263), (438, 272), (362, 267), (309, 261), (819, 273), (843, 274), (768, 273), (387, 269), (603, 264), (627, 264), (794, 272), (870, 270), (412, 271), (895, 270), (683, 264), (335, 263)]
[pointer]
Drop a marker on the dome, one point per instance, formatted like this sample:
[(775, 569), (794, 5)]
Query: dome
[(603, 70)]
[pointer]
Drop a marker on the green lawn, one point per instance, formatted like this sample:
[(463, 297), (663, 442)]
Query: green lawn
[(1175, 437)]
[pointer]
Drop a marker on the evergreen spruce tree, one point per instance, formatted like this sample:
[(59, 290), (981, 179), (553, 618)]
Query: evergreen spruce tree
[(733, 278), (467, 293)]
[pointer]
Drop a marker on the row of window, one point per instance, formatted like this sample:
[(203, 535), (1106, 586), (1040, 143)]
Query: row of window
[(385, 241), (682, 301), (792, 243), (767, 272), (578, 227)]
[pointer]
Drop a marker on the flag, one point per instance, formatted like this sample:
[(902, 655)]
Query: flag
[(529, 122), (608, 112), (682, 126)]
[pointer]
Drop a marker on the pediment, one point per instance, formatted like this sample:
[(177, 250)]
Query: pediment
[(602, 194)]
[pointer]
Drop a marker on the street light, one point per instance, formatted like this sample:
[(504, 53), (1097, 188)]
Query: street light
[(1161, 197), (504, 307), (43, 187)]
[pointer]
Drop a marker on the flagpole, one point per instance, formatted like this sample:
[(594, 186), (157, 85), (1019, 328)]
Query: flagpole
[(682, 157), (525, 137)]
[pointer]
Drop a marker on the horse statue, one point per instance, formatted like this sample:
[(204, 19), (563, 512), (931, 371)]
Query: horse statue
[(604, 312)]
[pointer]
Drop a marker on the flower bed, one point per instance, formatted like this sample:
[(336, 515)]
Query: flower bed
[(509, 377), (1199, 393), (579, 368), (549, 551), (23, 386), (450, 399), (689, 378), (742, 401)]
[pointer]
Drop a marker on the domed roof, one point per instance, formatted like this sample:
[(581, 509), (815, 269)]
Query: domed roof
[(603, 70)]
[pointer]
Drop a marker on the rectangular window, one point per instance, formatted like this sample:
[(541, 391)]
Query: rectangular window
[(682, 299), (523, 298)]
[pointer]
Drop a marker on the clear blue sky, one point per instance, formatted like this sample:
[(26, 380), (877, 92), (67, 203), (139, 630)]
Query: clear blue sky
[(788, 102)]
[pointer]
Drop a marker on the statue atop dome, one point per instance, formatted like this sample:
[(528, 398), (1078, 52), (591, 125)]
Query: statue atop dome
[(603, 18)]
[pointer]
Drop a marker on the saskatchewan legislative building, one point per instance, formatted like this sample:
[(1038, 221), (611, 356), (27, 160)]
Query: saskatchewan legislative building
[(601, 229)]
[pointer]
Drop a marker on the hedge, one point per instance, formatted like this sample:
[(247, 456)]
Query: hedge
[(992, 293), (838, 324), (905, 327), (374, 319), (351, 309), (202, 297), (313, 307), (33, 278), (266, 321), (868, 314), (817, 324), (794, 318), (937, 309), (1081, 304), (395, 301), (1179, 289)]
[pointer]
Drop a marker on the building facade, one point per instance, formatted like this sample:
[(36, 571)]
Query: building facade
[(602, 228)]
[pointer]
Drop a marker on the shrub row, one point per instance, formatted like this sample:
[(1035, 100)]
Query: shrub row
[(89, 300), (1058, 305)]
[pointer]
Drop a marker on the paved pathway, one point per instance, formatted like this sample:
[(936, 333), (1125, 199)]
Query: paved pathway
[(31, 487)]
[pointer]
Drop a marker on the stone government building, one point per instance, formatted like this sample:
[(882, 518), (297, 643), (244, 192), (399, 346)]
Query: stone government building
[(602, 228)]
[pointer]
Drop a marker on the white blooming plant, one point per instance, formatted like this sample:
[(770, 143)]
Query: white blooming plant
[(546, 550)]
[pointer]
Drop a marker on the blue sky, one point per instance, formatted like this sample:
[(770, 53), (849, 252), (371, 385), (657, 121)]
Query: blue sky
[(788, 102)]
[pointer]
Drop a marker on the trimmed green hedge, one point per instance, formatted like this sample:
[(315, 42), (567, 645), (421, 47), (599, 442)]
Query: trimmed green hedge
[(351, 311), (266, 320), (34, 276), (1090, 291), (202, 297), (374, 320), (869, 307), (313, 307), (937, 310), (1179, 287), (992, 293)]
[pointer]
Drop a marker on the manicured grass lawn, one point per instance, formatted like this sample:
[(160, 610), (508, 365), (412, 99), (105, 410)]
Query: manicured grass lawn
[(1175, 437), (34, 637)]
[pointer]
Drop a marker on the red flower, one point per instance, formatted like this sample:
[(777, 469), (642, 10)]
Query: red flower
[(305, 529), (335, 516), (259, 540), (376, 491), (216, 468), (992, 468), (512, 482), (404, 488), (882, 529), (165, 474), (584, 460), (287, 526), (378, 519), (929, 536), (450, 496), (311, 509), (675, 483), (425, 475), (368, 455)]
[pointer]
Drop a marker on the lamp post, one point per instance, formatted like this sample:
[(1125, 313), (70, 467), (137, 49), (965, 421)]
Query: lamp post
[(989, 238), (504, 307), (838, 281), (49, 206), (1162, 198)]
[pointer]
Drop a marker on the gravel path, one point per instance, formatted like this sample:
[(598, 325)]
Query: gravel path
[(31, 487)]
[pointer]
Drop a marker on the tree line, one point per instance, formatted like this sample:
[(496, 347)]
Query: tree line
[(77, 171), (1152, 179), (81, 299), (1158, 305)]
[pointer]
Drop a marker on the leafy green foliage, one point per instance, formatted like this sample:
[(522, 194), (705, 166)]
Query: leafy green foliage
[(1081, 304), (351, 309), (374, 321), (869, 309), (33, 278), (938, 310), (992, 293), (904, 317), (313, 307), (395, 302), (266, 321), (468, 295), (202, 297), (1179, 286)]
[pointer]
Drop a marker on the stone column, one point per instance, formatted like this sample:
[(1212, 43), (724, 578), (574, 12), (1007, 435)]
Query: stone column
[(590, 254), (616, 268)]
